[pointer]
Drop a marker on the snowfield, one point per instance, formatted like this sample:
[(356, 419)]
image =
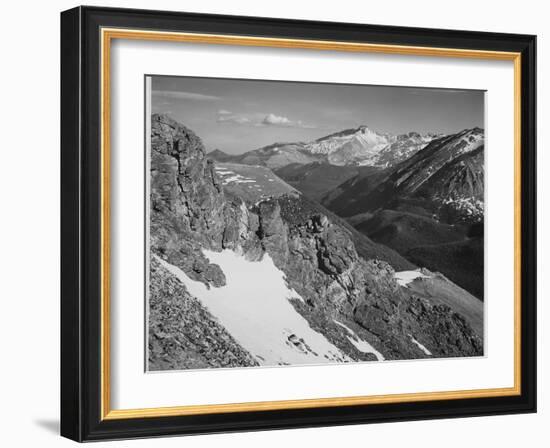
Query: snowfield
[(360, 344), (251, 183), (254, 306), (403, 278)]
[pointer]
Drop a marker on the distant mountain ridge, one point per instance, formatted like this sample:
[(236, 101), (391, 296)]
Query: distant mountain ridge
[(429, 208), (361, 146), (445, 175)]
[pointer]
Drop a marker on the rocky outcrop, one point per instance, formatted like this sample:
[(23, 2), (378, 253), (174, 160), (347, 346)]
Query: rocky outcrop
[(190, 212), (443, 332), (184, 186), (182, 333), (322, 265)]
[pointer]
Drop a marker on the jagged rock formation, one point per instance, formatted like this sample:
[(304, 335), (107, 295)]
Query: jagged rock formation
[(190, 212), (322, 264)]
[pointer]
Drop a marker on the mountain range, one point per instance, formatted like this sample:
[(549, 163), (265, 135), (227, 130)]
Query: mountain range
[(422, 196), (445, 177), (248, 270), (359, 146)]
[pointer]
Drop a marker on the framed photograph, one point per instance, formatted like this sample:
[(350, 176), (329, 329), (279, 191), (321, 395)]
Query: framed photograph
[(276, 224)]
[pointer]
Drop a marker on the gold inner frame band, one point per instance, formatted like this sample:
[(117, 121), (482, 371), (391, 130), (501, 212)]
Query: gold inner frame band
[(107, 35)]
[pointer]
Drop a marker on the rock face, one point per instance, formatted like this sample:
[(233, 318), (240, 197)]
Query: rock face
[(188, 208), (185, 192), (191, 212), (322, 265)]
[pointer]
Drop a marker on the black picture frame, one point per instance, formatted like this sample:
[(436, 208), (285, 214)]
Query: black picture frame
[(81, 224)]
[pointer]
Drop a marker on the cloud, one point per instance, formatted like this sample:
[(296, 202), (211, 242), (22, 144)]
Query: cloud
[(276, 120), (260, 119), (184, 95), (237, 119)]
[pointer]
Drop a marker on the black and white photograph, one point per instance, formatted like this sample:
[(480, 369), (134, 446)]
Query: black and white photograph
[(297, 223), (275, 224)]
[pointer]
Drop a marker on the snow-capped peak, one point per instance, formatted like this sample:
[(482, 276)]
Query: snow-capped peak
[(365, 146)]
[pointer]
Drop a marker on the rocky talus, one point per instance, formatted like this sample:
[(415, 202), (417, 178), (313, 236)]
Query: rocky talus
[(190, 212), (182, 333)]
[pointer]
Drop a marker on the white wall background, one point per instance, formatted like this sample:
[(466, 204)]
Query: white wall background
[(29, 228)]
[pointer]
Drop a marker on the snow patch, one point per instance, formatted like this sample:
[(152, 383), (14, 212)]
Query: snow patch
[(468, 205), (254, 306), (403, 278), (360, 344), (229, 176), (238, 179), (421, 347)]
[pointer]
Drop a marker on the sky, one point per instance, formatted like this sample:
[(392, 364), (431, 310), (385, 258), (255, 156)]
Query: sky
[(236, 116)]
